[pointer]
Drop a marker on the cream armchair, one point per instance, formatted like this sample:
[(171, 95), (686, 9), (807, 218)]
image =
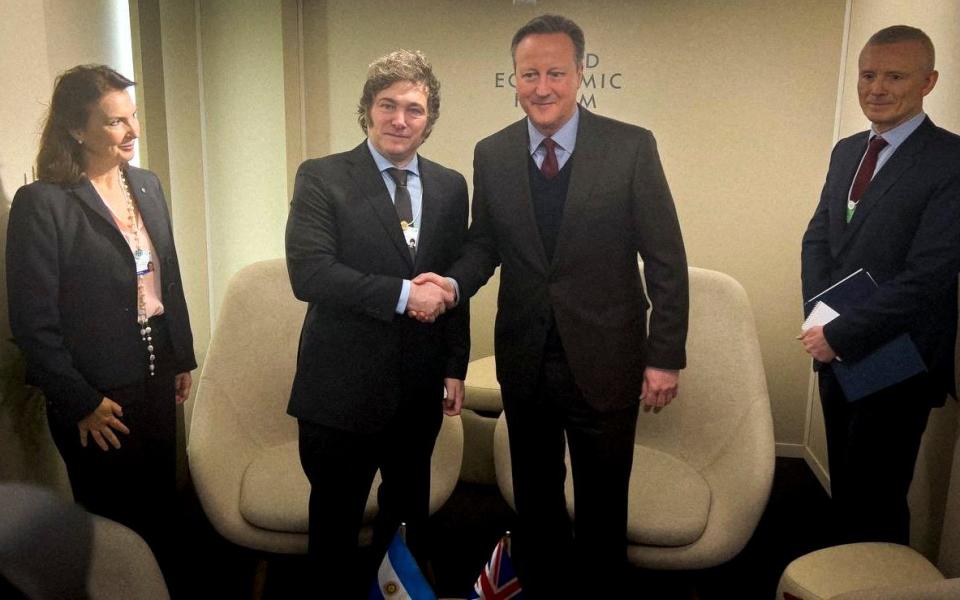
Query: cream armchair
[(865, 571), (702, 467), (882, 571), (243, 446), (50, 548)]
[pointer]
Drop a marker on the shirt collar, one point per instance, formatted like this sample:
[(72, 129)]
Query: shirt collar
[(901, 132), (565, 137), (383, 163)]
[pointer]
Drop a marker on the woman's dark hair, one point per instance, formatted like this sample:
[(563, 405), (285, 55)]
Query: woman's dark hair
[(60, 159)]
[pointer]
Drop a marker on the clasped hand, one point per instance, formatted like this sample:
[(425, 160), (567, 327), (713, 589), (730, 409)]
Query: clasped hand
[(816, 344), (430, 296)]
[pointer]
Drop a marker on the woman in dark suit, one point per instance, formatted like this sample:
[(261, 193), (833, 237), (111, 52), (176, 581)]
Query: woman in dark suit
[(97, 306)]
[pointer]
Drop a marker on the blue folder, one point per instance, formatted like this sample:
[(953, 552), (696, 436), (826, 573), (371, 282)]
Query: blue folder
[(891, 363)]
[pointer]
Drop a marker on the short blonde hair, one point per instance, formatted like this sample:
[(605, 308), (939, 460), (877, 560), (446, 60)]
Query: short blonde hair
[(904, 33)]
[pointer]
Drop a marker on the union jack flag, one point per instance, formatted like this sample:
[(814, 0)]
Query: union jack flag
[(498, 581)]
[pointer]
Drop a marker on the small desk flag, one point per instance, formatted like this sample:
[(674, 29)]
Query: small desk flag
[(498, 581), (399, 577)]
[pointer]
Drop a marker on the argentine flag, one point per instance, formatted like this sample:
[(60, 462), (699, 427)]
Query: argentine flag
[(399, 577)]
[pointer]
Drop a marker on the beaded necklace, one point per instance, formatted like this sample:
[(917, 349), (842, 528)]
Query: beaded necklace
[(146, 332)]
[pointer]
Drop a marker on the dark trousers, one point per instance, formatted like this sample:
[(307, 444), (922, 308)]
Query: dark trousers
[(341, 466), (134, 485), (872, 447), (549, 554)]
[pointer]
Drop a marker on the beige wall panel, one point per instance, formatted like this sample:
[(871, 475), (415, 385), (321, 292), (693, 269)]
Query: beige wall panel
[(86, 31), (293, 89), (241, 50), (815, 449), (23, 59), (931, 481), (949, 561), (316, 78), (186, 196), (741, 97)]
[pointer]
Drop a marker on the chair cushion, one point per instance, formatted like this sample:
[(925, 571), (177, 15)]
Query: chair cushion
[(825, 573), (669, 500), (945, 589), (274, 492), (482, 390)]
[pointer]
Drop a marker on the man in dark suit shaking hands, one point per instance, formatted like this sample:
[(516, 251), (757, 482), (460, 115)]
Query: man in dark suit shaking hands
[(890, 205), (372, 384), (564, 201)]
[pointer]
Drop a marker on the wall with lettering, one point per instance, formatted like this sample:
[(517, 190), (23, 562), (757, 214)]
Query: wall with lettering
[(593, 82)]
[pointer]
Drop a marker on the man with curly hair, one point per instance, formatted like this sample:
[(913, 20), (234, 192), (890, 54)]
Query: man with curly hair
[(372, 384)]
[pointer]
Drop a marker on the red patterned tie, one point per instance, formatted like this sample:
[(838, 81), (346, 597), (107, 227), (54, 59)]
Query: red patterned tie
[(867, 167), (549, 168)]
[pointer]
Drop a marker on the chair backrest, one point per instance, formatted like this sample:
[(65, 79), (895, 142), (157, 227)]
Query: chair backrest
[(724, 379), (50, 548), (122, 565), (252, 357), (949, 560)]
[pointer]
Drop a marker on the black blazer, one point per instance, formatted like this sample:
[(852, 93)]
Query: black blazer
[(72, 288), (906, 233), (346, 257), (618, 205)]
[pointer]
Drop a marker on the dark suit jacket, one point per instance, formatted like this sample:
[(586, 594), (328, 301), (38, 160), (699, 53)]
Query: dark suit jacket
[(618, 204), (72, 288), (347, 257), (906, 233)]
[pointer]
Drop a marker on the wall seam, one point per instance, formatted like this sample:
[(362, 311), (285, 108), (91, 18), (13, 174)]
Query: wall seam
[(301, 75), (198, 14), (844, 47)]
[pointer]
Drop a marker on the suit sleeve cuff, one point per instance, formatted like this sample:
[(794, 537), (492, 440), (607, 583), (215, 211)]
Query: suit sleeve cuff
[(456, 290), (404, 297)]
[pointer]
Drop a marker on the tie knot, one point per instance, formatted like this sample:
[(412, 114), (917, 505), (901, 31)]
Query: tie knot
[(877, 143), (549, 144), (399, 176)]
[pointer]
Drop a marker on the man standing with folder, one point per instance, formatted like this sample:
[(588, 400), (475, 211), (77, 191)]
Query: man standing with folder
[(891, 206)]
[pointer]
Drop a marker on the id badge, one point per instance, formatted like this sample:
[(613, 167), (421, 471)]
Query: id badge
[(411, 235), (143, 261)]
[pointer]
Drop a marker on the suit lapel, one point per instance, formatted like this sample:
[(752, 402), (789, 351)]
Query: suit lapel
[(875, 195), (88, 195), (587, 159), (152, 210), (368, 179), (839, 194), (514, 186), (431, 208)]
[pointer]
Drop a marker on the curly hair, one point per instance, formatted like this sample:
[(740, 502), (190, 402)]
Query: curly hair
[(60, 158), (400, 65)]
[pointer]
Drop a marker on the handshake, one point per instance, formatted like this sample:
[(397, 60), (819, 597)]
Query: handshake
[(431, 295)]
